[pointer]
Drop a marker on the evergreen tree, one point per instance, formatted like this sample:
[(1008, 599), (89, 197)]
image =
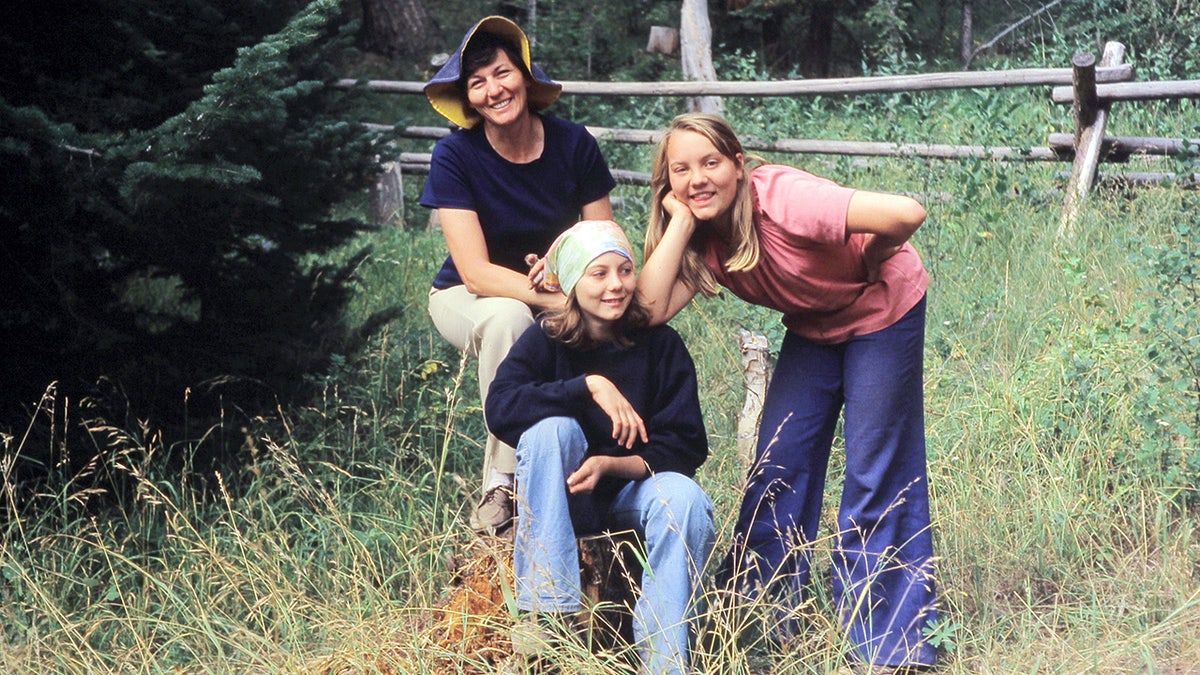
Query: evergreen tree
[(163, 219)]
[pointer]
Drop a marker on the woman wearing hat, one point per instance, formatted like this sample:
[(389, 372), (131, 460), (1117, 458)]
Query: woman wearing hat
[(605, 414), (505, 184)]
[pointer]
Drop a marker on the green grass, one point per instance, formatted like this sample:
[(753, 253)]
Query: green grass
[(1063, 498)]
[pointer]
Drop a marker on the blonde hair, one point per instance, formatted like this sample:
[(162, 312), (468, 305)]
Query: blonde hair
[(566, 325), (743, 232)]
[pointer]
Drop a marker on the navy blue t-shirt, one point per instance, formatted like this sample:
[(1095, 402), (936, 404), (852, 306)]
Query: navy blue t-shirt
[(521, 207)]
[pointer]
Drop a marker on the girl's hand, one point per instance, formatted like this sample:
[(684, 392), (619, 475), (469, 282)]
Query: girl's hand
[(628, 426), (676, 208), (877, 249), (585, 478)]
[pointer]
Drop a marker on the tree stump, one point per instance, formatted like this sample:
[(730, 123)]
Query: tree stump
[(663, 40), (756, 373), (386, 199), (610, 572)]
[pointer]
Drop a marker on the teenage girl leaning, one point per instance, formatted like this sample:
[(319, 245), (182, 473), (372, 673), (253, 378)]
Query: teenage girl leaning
[(837, 263)]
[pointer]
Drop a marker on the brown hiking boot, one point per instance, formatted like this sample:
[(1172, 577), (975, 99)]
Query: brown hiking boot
[(494, 513)]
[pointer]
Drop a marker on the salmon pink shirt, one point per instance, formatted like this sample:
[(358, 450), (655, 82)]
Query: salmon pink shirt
[(811, 268)]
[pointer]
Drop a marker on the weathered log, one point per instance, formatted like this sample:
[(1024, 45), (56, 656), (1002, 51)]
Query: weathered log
[(1119, 148), (1086, 103), (695, 47), (1188, 181), (756, 374), (386, 198), (1135, 91), (817, 146)]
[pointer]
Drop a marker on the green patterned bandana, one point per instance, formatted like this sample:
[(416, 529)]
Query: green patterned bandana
[(576, 248)]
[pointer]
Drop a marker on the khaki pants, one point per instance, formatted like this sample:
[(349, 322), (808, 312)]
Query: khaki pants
[(484, 328)]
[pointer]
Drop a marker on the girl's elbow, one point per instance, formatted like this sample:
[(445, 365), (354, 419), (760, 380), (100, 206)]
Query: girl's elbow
[(907, 217), (914, 215)]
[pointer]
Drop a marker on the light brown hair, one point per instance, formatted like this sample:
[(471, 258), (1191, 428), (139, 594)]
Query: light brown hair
[(744, 234), (566, 325)]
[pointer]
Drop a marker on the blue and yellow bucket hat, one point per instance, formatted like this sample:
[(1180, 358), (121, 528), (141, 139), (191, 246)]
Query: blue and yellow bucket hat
[(449, 99)]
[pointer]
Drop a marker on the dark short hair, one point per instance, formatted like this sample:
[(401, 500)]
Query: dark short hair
[(481, 51)]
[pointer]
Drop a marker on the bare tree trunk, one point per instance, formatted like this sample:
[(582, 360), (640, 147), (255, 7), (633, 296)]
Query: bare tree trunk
[(818, 42), (402, 30), (531, 22), (695, 42), (968, 37)]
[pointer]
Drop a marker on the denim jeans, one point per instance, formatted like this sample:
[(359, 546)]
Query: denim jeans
[(668, 510), (883, 583)]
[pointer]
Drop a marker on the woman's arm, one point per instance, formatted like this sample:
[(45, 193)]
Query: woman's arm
[(678, 441), (464, 239), (661, 289), (887, 220), (601, 209)]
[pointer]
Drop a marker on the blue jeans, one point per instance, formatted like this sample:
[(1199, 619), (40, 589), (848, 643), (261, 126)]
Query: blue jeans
[(668, 510), (883, 584)]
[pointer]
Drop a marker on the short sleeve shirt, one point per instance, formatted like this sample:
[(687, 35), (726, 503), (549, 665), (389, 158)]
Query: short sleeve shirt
[(811, 268), (521, 207)]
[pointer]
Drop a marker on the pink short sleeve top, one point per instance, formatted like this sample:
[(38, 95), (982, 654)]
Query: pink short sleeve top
[(811, 268)]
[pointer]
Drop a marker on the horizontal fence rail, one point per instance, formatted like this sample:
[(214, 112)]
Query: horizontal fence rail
[(1134, 91), (881, 84), (1089, 87)]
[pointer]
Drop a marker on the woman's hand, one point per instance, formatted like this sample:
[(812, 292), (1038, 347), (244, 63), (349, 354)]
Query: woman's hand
[(537, 271), (588, 475), (628, 426)]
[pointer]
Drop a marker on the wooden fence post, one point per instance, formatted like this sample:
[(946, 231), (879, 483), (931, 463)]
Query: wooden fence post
[(1083, 71), (1089, 138)]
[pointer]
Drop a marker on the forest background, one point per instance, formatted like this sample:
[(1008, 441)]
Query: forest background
[(233, 442)]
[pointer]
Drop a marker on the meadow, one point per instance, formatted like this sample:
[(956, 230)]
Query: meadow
[(1061, 394)]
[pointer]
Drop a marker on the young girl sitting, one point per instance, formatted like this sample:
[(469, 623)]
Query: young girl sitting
[(605, 415)]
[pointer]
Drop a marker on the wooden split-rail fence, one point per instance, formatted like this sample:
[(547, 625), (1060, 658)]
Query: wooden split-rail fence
[(1090, 87)]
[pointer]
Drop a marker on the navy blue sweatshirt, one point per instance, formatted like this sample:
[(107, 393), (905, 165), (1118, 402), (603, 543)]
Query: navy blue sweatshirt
[(543, 378)]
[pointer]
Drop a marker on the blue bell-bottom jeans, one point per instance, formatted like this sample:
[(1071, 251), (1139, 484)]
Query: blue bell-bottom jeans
[(883, 584), (668, 510)]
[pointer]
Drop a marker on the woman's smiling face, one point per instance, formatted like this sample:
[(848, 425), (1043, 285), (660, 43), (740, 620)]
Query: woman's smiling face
[(701, 177), (499, 91)]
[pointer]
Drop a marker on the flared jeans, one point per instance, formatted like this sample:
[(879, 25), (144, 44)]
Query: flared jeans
[(882, 552), (668, 510)]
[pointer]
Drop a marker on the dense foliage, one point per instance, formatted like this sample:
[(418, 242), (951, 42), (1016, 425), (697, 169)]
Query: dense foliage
[(170, 174)]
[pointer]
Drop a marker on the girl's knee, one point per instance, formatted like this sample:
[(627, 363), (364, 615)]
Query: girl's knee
[(682, 499), (549, 438)]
